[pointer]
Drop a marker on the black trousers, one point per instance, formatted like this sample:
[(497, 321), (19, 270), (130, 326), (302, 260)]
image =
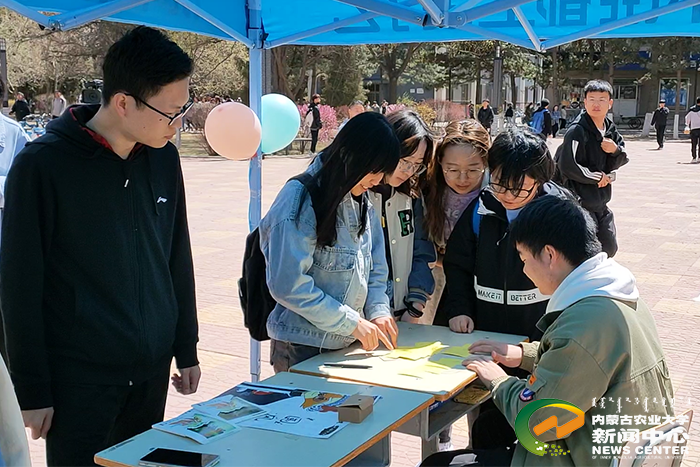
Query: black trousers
[(555, 129), (90, 418), (500, 457), (314, 140), (660, 130), (695, 143), (607, 234), (284, 355)]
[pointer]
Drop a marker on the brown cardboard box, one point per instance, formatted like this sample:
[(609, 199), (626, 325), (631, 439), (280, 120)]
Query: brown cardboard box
[(355, 408)]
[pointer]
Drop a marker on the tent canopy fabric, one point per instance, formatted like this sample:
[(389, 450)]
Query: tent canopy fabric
[(537, 24)]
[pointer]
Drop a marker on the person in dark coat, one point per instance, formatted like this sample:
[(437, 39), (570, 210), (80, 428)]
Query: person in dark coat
[(485, 115), (659, 122)]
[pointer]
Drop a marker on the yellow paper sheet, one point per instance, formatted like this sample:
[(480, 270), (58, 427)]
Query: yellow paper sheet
[(416, 352), (425, 370), (461, 351)]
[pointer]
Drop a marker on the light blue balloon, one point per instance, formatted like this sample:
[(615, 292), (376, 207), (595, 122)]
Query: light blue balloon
[(280, 122)]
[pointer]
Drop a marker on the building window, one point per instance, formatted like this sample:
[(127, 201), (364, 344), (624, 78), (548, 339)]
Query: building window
[(667, 91), (625, 90)]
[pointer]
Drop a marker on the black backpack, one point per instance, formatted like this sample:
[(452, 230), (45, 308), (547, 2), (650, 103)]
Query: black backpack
[(256, 301)]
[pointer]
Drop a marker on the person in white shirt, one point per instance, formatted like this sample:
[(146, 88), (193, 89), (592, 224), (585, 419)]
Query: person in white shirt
[(59, 104), (692, 121)]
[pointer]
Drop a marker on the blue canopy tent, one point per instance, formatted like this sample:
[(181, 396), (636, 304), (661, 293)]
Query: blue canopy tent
[(264, 24)]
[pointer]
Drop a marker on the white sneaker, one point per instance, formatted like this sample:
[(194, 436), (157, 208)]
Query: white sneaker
[(442, 447)]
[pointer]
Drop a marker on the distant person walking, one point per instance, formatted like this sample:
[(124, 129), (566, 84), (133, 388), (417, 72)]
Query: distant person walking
[(556, 118), (316, 125), (692, 121), (659, 122), (485, 115), (20, 108), (59, 104)]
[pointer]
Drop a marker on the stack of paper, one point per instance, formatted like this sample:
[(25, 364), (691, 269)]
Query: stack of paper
[(417, 352)]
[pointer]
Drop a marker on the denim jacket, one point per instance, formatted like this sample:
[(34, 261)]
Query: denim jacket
[(321, 291)]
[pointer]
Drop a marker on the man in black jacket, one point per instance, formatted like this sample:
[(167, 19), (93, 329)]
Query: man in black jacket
[(20, 108), (97, 282), (589, 156), (485, 115), (658, 120)]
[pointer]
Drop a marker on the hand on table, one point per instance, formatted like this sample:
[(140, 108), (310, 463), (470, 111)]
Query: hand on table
[(485, 368), (462, 324), (39, 421), (506, 354), (370, 334), (188, 380)]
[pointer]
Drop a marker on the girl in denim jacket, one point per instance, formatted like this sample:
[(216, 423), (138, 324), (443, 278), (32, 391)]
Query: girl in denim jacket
[(409, 251), (324, 249)]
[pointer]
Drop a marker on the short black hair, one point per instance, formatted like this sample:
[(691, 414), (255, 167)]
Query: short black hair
[(544, 103), (141, 63), (597, 85), (698, 100), (520, 152), (559, 222)]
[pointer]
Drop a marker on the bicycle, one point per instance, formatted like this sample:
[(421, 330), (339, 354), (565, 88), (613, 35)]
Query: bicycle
[(633, 122)]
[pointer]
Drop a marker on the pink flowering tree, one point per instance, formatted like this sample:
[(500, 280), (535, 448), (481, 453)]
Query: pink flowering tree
[(329, 120)]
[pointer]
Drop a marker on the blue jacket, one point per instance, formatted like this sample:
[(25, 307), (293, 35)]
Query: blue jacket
[(321, 292)]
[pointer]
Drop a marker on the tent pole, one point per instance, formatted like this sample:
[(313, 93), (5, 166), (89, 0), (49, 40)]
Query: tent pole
[(255, 168)]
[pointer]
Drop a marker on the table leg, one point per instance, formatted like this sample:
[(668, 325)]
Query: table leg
[(429, 446), (377, 455)]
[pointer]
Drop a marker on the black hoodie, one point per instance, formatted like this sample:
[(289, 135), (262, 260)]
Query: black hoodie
[(581, 161), (97, 278), (484, 273)]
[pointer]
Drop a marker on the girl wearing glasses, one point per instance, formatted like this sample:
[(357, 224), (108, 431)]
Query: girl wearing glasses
[(324, 252), (455, 177), (398, 201)]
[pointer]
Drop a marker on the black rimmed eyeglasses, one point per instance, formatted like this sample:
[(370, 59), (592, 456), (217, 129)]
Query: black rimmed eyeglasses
[(171, 118)]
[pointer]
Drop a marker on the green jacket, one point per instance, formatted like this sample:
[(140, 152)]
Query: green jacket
[(596, 347)]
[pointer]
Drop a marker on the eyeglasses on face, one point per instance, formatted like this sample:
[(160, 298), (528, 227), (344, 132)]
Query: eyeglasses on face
[(411, 167), (517, 193), (456, 174), (171, 118)]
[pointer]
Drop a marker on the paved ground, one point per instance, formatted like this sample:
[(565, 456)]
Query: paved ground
[(657, 206)]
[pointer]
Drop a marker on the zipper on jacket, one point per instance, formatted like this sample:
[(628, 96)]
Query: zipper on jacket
[(137, 267), (387, 246)]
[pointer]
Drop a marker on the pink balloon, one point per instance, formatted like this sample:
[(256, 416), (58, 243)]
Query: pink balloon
[(233, 131)]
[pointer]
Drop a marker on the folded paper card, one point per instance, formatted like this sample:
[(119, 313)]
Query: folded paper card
[(355, 408)]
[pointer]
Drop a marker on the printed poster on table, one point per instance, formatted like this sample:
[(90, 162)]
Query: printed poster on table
[(298, 412), (197, 426)]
